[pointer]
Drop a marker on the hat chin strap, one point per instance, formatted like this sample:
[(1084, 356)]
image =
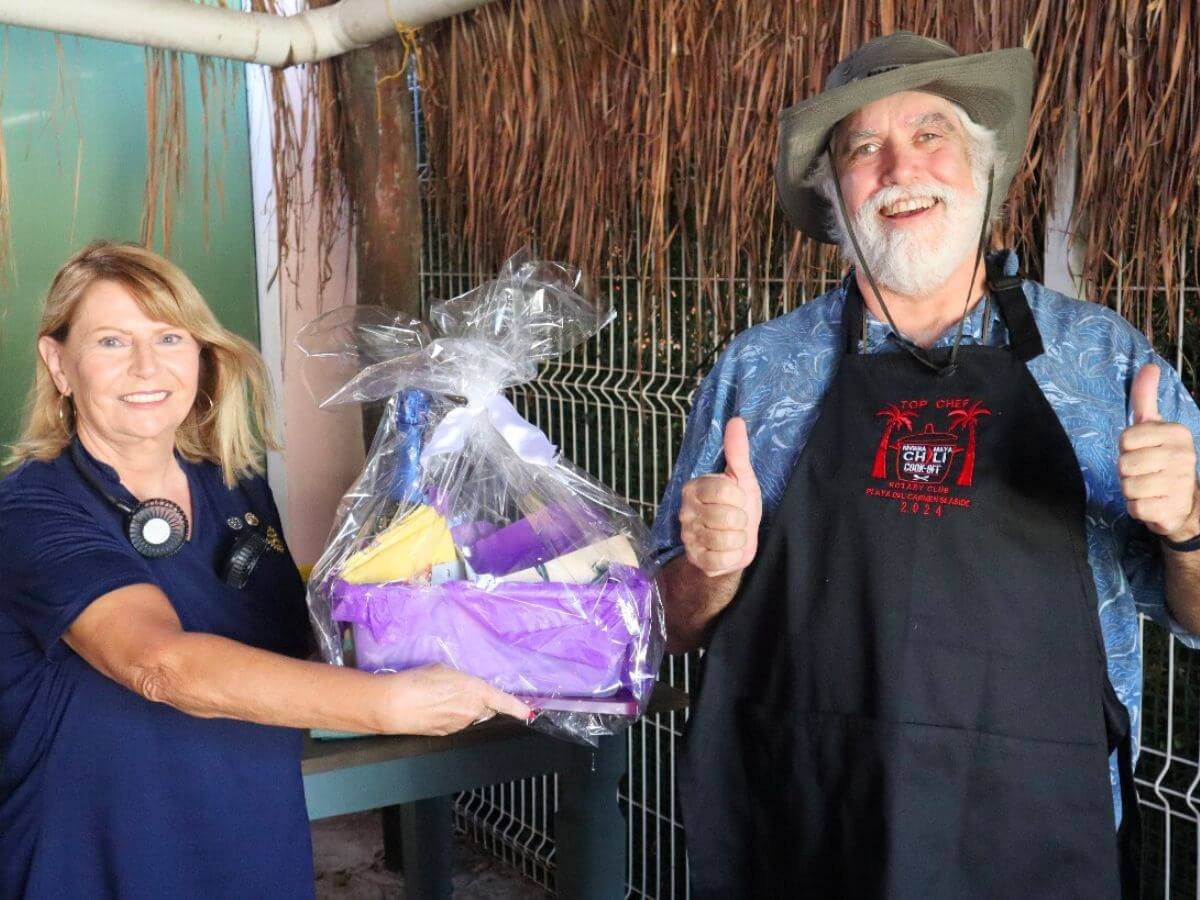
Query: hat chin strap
[(917, 352)]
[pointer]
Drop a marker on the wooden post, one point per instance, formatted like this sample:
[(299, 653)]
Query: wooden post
[(381, 172)]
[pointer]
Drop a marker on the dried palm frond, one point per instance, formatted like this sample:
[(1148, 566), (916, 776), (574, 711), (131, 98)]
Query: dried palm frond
[(571, 124), (1132, 69), (528, 108), (6, 262), (5, 215), (587, 127), (166, 145), (66, 107), (308, 137)]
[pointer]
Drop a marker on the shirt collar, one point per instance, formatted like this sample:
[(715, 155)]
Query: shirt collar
[(110, 476), (880, 334), (103, 469)]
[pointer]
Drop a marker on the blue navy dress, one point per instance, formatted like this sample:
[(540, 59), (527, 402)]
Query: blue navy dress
[(104, 794)]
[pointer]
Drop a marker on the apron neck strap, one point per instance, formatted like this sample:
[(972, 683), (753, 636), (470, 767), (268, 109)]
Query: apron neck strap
[(1023, 336), (854, 319)]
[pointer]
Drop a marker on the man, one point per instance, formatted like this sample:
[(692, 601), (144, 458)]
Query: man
[(913, 522)]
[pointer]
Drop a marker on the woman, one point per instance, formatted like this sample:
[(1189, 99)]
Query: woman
[(148, 697)]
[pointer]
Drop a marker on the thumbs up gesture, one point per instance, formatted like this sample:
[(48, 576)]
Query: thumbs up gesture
[(720, 514), (1157, 465)]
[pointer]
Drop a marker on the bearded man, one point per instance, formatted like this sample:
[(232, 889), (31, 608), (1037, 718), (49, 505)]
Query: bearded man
[(914, 522)]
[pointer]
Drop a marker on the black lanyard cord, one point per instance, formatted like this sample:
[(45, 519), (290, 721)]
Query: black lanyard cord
[(983, 230)]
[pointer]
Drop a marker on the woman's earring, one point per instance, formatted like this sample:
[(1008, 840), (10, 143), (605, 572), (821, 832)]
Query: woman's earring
[(61, 417), (207, 397)]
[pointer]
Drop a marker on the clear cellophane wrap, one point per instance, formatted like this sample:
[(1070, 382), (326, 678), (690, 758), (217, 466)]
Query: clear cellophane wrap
[(468, 540)]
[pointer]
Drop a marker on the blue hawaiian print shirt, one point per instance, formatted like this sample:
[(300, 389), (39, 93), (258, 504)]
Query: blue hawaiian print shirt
[(775, 374)]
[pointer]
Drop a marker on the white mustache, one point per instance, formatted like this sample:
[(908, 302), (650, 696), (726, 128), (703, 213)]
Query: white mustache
[(894, 193)]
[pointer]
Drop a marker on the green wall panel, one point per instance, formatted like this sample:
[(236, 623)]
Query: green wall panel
[(82, 103)]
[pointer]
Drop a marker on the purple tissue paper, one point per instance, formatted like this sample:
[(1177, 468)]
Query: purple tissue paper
[(527, 638)]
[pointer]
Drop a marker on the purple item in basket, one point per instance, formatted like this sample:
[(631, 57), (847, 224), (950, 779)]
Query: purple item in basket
[(527, 638), (552, 531), (469, 532)]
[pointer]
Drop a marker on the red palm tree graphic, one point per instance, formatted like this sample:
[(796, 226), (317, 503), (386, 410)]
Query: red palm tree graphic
[(966, 418), (895, 416)]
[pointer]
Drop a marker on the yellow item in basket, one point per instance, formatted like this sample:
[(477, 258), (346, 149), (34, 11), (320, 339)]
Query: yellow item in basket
[(406, 549)]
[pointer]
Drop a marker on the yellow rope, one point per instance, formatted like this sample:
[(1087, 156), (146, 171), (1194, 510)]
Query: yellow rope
[(410, 40)]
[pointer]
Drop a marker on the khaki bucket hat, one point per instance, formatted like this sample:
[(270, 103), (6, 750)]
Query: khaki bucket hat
[(996, 90)]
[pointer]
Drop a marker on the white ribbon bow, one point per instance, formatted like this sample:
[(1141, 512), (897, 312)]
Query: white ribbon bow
[(525, 438)]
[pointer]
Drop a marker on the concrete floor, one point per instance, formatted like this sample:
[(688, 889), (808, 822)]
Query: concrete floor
[(348, 856)]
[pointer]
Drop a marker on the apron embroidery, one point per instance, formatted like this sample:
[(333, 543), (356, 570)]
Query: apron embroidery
[(926, 440)]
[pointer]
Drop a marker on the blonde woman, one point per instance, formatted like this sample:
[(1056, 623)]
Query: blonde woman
[(152, 624)]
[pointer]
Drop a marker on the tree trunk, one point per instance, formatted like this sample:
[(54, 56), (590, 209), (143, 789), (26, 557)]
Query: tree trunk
[(381, 174)]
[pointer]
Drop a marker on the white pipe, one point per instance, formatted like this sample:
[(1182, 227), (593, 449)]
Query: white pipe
[(1063, 247), (272, 40), (260, 119)]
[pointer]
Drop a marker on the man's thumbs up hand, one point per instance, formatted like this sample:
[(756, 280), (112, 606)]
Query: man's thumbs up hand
[(737, 451), (720, 514), (1143, 395), (1157, 465)]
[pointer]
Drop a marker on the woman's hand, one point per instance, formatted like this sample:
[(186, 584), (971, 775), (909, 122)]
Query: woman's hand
[(438, 700)]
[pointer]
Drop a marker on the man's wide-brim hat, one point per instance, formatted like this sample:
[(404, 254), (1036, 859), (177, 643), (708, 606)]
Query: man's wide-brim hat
[(995, 89)]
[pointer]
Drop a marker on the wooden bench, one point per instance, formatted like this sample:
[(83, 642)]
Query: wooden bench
[(420, 774)]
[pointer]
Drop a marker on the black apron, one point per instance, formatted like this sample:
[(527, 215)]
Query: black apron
[(909, 696)]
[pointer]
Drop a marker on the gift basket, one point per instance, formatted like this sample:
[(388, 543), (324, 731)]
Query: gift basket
[(468, 540)]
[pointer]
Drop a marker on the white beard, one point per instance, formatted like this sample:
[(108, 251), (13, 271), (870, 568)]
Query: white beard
[(915, 261)]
